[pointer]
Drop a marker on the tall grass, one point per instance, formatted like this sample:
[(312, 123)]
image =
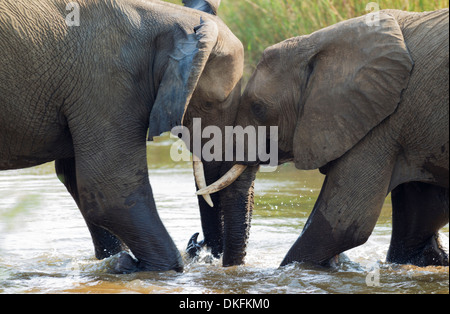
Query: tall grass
[(262, 23)]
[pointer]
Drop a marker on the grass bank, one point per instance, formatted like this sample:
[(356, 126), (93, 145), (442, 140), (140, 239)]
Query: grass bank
[(262, 23)]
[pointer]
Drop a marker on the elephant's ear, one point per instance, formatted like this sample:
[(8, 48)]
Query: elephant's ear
[(356, 77), (184, 68), (208, 6)]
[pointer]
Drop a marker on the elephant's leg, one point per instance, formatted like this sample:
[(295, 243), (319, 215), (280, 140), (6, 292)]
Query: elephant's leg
[(419, 211), (348, 206), (105, 243), (115, 192)]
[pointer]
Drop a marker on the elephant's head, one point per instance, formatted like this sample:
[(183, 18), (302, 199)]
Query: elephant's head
[(327, 90), (201, 78)]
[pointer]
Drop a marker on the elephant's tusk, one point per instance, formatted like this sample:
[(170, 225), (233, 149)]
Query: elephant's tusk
[(199, 175), (223, 182)]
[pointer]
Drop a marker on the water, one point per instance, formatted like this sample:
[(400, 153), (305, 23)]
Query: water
[(45, 246)]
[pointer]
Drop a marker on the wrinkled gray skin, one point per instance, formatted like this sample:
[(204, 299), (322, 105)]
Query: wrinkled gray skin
[(368, 106), (85, 96)]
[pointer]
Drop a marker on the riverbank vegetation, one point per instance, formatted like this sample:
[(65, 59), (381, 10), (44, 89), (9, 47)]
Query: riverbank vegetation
[(262, 23)]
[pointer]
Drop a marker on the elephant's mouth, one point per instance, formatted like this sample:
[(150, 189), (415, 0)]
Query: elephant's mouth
[(234, 173)]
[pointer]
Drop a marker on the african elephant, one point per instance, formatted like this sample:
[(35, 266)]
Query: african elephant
[(85, 95), (365, 101)]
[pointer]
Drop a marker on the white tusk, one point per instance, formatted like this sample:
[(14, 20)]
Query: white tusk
[(223, 182), (199, 175)]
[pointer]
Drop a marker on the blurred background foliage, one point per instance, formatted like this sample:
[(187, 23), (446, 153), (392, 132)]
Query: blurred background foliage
[(262, 23)]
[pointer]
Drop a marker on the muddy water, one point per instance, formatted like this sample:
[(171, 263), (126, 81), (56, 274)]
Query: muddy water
[(45, 246)]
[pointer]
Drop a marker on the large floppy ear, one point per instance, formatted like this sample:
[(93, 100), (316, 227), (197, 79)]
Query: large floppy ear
[(184, 68), (356, 77), (208, 6)]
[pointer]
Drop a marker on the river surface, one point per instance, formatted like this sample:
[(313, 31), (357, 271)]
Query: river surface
[(45, 246)]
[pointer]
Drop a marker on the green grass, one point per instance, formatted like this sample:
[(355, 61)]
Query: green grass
[(262, 23)]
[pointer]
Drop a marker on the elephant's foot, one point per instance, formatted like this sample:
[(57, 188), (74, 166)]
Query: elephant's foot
[(333, 263), (336, 261), (193, 248), (124, 263), (432, 253)]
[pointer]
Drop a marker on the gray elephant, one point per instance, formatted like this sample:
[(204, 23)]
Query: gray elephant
[(366, 101), (85, 95)]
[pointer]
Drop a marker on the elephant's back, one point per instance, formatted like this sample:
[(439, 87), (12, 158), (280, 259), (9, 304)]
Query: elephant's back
[(29, 31), (426, 33), (427, 38), (30, 21)]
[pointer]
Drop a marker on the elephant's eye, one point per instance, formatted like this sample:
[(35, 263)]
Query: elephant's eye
[(259, 111)]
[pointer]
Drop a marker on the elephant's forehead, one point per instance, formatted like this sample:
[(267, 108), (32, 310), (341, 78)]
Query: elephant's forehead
[(264, 82)]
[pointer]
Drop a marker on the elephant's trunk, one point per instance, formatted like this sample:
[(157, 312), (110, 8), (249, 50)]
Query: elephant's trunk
[(226, 225), (237, 208)]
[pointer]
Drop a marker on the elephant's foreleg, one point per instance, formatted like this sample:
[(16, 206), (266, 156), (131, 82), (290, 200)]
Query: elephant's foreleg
[(105, 243), (419, 211), (348, 206), (115, 193), (121, 201)]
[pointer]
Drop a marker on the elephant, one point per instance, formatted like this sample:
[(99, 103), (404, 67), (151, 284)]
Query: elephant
[(366, 102), (89, 96)]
